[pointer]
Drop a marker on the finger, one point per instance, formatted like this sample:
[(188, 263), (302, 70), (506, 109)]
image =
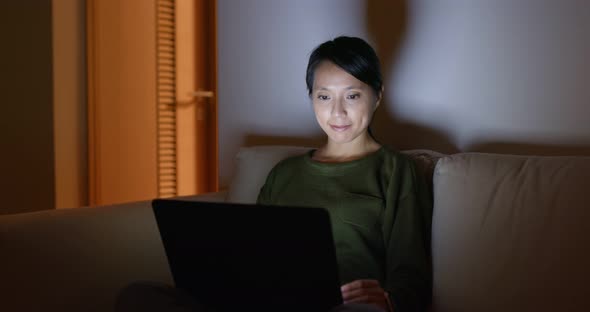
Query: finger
[(369, 299), (358, 299), (362, 283), (377, 291), (349, 295)]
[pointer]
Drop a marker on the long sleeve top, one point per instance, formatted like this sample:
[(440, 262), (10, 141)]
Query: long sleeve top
[(381, 214)]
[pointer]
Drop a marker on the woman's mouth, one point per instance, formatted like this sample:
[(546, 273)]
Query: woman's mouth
[(339, 128)]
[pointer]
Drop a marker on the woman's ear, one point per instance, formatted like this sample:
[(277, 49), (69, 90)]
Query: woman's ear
[(379, 97)]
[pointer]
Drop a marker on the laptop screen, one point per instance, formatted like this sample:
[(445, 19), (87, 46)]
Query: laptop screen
[(264, 258)]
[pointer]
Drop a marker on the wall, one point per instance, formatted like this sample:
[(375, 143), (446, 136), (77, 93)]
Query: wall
[(42, 128), (69, 99), (263, 46), (497, 76), (508, 76), (26, 122)]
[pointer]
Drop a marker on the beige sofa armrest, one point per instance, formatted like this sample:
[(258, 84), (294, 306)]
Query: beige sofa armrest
[(78, 259)]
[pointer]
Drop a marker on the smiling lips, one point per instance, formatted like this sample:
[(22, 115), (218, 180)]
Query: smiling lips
[(340, 128)]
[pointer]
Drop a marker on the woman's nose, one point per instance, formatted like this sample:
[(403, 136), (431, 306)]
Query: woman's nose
[(338, 108)]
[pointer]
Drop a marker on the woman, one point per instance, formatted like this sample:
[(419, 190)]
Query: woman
[(379, 209)]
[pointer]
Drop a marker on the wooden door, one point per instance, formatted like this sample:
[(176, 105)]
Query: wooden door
[(147, 137), (196, 88)]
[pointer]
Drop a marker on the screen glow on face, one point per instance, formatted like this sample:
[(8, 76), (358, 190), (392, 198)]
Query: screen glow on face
[(343, 105)]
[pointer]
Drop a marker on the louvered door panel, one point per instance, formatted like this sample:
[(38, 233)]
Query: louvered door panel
[(167, 166)]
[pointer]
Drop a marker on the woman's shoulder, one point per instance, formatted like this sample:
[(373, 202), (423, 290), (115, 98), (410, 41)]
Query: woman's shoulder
[(398, 164), (421, 161), (416, 166), (394, 157), (292, 162)]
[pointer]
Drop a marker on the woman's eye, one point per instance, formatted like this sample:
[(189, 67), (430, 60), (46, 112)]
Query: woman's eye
[(353, 96), (323, 97)]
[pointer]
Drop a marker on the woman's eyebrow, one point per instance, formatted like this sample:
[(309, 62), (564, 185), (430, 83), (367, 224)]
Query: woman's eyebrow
[(347, 88)]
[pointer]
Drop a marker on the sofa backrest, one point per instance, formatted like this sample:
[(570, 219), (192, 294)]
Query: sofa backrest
[(511, 233)]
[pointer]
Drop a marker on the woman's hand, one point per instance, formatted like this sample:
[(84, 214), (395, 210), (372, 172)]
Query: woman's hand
[(365, 291)]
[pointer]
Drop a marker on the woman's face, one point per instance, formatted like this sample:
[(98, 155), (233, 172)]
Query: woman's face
[(343, 105)]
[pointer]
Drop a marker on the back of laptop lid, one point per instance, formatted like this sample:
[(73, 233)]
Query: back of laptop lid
[(250, 257)]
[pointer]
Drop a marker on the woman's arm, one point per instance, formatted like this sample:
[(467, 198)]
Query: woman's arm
[(265, 194), (406, 232)]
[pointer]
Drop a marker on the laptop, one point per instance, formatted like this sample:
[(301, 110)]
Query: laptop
[(237, 257)]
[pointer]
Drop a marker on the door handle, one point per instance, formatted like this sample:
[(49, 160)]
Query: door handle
[(202, 94)]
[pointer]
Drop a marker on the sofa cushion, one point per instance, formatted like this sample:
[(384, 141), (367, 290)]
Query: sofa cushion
[(254, 163), (510, 233)]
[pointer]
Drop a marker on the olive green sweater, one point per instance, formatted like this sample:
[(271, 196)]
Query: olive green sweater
[(381, 215)]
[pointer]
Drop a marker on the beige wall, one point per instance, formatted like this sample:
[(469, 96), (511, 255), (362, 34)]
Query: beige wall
[(484, 75), (263, 47), (506, 76), (69, 99), (26, 121)]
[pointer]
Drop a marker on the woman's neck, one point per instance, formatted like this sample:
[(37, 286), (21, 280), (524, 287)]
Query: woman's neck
[(335, 152)]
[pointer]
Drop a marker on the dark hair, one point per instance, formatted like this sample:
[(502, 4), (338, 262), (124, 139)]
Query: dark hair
[(352, 54)]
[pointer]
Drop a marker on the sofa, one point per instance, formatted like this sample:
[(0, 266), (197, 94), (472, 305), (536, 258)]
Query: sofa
[(509, 233)]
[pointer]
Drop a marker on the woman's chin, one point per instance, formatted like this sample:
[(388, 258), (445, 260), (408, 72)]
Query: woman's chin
[(348, 137), (340, 138)]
